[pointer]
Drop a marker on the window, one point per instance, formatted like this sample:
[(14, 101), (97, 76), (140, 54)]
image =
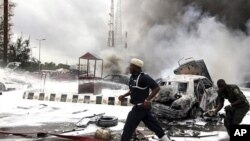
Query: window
[(207, 84), (198, 89), (178, 87), (162, 83), (109, 78), (116, 78), (182, 87)]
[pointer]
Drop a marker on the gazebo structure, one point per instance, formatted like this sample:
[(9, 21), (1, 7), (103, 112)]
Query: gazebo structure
[(86, 74), (86, 78)]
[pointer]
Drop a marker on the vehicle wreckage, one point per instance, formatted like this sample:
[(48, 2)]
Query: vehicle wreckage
[(187, 94), (9, 79)]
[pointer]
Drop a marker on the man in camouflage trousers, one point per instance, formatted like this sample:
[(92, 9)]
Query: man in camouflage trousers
[(238, 108)]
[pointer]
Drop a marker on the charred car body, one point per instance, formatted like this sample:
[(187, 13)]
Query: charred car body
[(186, 94), (117, 78)]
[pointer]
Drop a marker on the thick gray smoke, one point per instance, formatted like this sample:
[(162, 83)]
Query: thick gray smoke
[(115, 61), (234, 13), (163, 31)]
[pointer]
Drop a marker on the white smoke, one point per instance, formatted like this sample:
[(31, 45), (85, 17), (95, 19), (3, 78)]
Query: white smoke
[(161, 37)]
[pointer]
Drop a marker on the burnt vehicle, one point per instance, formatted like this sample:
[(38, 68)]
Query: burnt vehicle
[(193, 67), (10, 79), (184, 96), (117, 78)]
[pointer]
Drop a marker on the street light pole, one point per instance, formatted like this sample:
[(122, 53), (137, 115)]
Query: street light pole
[(40, 40)]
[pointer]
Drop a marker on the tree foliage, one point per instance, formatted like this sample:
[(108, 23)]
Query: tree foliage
[(20, 50), (48, 66), (64, 66), (53, 66)]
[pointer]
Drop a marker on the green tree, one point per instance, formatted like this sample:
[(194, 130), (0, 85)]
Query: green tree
[(20, 51), (32, 65), (48, 66), (64, 66)]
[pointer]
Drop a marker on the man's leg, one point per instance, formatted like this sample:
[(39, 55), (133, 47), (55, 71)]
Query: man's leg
[(234, 116), (153, 125), (133, 119), (228, 120), (239, 114)]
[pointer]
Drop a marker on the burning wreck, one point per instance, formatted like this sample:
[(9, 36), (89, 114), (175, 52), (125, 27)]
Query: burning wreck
[(186, 94)]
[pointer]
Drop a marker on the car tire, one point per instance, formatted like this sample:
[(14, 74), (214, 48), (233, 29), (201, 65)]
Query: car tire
[(107, 121)]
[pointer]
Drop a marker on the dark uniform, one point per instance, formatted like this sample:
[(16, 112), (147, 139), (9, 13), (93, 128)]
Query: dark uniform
[(235, 114), (140, 86)]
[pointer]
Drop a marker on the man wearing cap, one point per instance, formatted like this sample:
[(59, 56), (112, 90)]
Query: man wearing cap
[(238, 108), (140, 85)]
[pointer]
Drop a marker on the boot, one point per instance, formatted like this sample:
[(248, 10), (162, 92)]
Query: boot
[(165, 138)]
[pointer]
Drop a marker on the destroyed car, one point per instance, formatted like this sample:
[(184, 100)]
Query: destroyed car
[(117, 78), (184, 96), (7, 86), (111, 81)]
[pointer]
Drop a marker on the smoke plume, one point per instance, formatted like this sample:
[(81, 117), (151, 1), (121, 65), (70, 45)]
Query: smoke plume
[(161, 32), (114, 61)]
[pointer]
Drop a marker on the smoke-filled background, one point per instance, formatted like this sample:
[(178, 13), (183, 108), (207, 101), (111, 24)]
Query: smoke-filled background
[(161, 32)]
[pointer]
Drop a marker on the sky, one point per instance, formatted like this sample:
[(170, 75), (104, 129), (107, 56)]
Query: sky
[(71, 27), (160, 32)]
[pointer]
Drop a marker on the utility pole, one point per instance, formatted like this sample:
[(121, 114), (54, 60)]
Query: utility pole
[(111, 34), (118, 25), (5, 34), (40, 40), (126, 40)]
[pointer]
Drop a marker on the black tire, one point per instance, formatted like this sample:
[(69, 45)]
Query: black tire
[(107, 121)]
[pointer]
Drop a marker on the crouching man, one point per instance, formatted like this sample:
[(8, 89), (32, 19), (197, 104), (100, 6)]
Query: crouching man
[(238, 107), (139, 91)]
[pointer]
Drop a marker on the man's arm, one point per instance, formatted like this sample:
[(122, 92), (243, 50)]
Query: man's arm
[(151, 83), (237, 102), (240, 96), (219, 106), (153, 93), (121, 97), (126, 94)]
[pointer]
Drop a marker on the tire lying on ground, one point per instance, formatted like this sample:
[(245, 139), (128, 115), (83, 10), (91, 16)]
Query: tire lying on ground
[(107, 121)]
